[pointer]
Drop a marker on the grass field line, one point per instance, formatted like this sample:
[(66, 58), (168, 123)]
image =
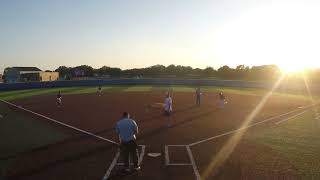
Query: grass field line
[(60, 123), (249, 126), (292, 117), (194, 166), (143, 150), (192, 161), (179, 164), (166, 153), (116, 158), (112, 165), (167, 158), (140, 159)]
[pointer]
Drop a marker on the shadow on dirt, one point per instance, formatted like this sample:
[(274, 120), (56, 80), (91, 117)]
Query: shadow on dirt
[(57, 162)]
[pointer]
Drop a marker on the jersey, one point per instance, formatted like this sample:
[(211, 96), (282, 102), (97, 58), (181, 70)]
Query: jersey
[(127, 128), (168, 104)]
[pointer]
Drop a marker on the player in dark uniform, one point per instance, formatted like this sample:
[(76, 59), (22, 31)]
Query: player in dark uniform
[(99, 90), (59, 99), (198, 96)]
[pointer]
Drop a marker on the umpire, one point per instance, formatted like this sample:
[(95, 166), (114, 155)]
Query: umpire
[(127, 129)]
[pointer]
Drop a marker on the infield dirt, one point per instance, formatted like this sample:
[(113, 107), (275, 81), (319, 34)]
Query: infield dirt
[(84, 157)]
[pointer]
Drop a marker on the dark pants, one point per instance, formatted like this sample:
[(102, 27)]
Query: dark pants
[(130, 149)]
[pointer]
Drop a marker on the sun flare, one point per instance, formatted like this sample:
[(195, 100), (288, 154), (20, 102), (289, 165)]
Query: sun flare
[(291, 68), (273, 35)]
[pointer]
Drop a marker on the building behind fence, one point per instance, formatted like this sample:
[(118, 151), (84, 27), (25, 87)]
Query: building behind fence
[(28, 74)]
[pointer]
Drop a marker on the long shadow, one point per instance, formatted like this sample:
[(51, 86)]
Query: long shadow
[(78, 156), (122, 174), (56, 163), (48, 146), (81, 137), (75, 138), (165, 128), (185, 109), (161, 114)]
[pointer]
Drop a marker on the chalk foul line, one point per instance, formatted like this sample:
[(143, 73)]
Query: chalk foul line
[(60, 123), (251, 125)]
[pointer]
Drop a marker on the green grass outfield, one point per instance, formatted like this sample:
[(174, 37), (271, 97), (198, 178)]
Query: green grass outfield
[(297, 139), (18, 94), (20, 133)]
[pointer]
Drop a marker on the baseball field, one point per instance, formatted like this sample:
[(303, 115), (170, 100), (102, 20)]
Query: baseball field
[(257, 135)]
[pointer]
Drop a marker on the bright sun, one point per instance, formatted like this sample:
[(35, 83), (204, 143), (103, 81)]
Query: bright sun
[(285, 34), (291, 68)]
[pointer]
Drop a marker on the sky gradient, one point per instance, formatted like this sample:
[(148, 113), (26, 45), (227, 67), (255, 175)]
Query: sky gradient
[(140, 33)]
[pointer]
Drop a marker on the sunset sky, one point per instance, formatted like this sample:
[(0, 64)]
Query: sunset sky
[(140, 33)]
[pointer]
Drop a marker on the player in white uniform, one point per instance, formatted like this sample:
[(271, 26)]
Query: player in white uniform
[(168, 107), (59, 99), (99, 90), (222, 100)]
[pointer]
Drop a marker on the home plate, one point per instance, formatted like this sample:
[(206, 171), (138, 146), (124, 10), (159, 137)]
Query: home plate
[(154, 154)]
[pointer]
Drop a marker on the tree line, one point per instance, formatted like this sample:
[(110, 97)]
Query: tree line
[(241, 72)]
